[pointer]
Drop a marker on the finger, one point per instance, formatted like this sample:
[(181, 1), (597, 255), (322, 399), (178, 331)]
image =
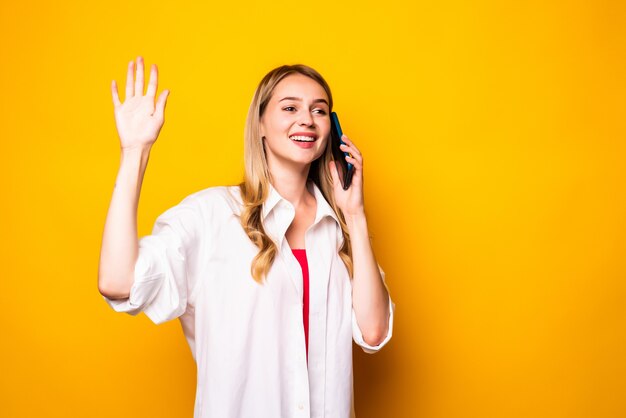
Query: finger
[(351, 144), (356, 163), (353, 152), (116, 97), (129, 80), (152, 85), (161, 102), (139, 77)]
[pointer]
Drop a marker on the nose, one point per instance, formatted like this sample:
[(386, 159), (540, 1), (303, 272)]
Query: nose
[(305, 119)]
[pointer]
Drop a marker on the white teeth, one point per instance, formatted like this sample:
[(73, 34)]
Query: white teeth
[(302, 138)]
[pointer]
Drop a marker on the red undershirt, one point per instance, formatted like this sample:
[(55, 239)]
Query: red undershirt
[(300, 255)]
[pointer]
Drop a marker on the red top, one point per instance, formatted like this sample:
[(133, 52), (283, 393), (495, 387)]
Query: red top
[(300, 255)]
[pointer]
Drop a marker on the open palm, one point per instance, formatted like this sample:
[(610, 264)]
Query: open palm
[(138, 119)]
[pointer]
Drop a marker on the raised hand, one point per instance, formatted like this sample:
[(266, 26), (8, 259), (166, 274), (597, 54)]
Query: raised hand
[(349, 201), (138, 120)]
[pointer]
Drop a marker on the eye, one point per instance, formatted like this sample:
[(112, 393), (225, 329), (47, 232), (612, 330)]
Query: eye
[(288, 107), (321, 111)]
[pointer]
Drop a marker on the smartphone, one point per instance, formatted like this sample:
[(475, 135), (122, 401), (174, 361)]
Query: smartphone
[(346, 169)]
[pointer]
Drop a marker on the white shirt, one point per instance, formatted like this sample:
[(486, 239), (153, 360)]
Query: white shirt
[(248, 339)]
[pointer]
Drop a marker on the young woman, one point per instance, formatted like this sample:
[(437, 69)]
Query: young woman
[(271, 279)]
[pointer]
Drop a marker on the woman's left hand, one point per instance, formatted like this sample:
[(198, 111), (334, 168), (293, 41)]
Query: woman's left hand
[(349, 201)]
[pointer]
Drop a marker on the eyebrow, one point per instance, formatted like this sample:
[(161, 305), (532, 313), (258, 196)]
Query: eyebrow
[(298, 99)]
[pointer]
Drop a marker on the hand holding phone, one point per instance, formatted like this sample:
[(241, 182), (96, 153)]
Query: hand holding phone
[(346, 169)]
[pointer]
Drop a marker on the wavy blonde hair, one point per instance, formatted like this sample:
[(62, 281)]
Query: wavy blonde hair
[(256, 184)]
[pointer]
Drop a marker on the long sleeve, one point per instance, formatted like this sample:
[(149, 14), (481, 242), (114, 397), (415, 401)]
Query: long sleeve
[(357, 335), (165, 273)]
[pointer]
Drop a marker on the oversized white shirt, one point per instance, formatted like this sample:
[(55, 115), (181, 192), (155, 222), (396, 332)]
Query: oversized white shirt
[(248, 339)]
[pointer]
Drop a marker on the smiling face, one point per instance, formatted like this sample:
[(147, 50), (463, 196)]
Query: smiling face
[(296, 122)]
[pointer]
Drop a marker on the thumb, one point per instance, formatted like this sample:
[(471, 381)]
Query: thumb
[(161, 102)]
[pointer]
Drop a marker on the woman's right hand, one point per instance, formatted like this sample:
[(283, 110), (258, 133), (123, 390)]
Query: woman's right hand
[(138, 120)]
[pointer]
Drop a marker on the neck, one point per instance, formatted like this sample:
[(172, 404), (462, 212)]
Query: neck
[(290, 182)]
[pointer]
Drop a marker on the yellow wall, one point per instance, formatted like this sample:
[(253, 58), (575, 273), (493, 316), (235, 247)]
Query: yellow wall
[(494, 143)]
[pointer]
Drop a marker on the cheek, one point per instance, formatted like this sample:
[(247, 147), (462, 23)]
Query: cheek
[(280, 126), (275, 122), (281, 118)]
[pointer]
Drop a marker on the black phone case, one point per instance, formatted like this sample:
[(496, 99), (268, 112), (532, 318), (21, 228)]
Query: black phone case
[(346, 170)]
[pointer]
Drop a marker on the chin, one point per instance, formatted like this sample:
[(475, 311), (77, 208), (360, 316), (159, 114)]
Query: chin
[(314, 158), (303, 162)]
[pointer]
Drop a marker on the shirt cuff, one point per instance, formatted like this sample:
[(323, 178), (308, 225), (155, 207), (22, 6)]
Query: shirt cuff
[(148, 278), (139, 294), (358, 335)]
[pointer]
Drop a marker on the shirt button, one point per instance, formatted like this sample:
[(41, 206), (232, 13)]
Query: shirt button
[(300, 405)]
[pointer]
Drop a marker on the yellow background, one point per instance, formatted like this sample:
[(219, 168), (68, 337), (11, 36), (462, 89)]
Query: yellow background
[(493, 135)]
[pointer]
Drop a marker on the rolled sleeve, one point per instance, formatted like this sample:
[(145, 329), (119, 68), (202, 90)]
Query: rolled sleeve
[(357, 335), (163, 275)]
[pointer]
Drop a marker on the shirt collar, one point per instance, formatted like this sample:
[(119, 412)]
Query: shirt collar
[(323, 207)]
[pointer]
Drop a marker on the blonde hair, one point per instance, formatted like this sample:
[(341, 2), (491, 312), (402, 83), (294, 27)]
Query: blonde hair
[(256, 184)]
